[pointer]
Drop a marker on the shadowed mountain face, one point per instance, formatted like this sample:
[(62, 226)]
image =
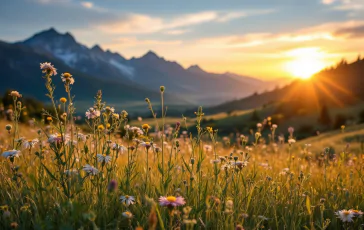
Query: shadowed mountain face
[(145, 74), (335, 87), (20, 71)]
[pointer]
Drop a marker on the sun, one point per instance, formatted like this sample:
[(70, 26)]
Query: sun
[(304, 62)]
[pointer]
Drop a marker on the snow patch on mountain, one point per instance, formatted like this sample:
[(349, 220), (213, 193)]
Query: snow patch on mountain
[(127, 70), (68, 57)]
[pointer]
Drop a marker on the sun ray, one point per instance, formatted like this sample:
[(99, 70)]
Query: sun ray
[(329, 94), (338, 87)]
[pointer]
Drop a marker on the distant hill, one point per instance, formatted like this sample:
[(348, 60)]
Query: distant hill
[(338, 86), (122, 79)]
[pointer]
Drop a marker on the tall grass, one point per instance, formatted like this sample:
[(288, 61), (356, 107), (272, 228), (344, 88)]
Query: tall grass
[(116, 176)]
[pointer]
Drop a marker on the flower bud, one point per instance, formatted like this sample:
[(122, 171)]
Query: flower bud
[(162, 88)]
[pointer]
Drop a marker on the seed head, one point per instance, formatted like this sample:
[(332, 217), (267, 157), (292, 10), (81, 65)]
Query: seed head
[(124, 114), (8, 127)]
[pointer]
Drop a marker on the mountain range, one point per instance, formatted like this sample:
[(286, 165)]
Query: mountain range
[(123, 80)]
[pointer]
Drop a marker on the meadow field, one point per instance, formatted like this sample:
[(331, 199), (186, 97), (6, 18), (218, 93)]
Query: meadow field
[(181, 175)]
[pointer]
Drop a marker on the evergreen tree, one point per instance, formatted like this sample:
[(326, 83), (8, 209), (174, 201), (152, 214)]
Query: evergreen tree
[(324, 118), (255, 116), (340, 119)]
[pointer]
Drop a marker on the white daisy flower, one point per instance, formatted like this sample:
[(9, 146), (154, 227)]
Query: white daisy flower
[(118, 147), (239, 164), (91, 170), (81, 137), (291, 141), (147, 144), (136, 130), (226, 166), (127, 200), (30, 143), (103, 159), (109, 109), (345, 215), (11, 153), (67, 77)]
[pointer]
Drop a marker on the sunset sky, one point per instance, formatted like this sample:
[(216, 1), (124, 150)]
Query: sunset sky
[(266, 39)]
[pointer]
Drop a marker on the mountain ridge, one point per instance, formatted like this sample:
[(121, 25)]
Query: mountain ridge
[(146, 73)]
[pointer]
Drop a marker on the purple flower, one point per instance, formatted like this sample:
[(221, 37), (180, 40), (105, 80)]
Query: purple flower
[(171, 201), (112, 186), (92, 113), (178, 125)]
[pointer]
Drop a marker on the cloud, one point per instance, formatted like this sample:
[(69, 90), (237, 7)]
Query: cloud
[(345, 5), (225, 17), (328, 2), (52, 1), (176, 31), (146, 24), (133, 41), (230, 16), (87, 4), (351, 32), (325, 33)]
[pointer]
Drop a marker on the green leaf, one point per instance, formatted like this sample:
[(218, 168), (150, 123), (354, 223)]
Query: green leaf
[(49, 172), (308, 204)]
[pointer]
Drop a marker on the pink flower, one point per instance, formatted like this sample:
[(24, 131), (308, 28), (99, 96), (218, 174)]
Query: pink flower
[(171, 201), (290, 130), (92, 113), (48, 68)]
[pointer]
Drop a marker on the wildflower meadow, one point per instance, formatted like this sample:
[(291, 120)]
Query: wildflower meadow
[(110, 174)]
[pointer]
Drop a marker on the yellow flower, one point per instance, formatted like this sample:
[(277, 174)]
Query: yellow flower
[(50, 119), (127, 214), (108, 125), (63, 100), (209, 129), (145, 126), (171, 198), (100, 127), (67, 75)]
